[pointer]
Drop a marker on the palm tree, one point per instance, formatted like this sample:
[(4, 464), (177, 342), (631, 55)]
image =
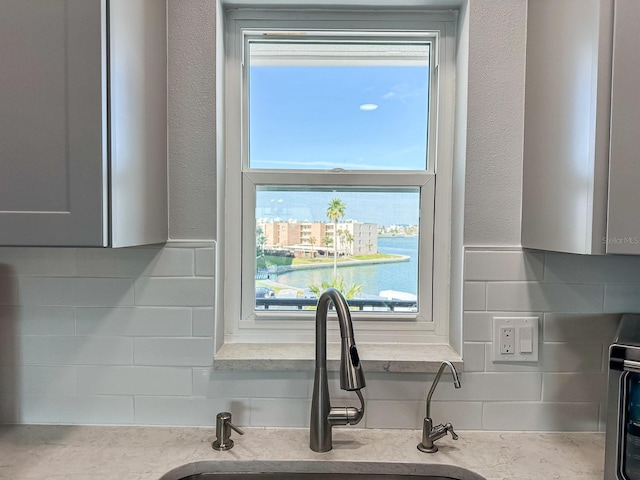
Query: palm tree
[(312, 241), (327, 242), (349, 291), (348, 238), (335, 211), (261, 240)]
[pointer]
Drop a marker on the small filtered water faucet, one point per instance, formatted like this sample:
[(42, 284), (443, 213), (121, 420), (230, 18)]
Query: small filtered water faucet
[(323, 416), (430, 433)]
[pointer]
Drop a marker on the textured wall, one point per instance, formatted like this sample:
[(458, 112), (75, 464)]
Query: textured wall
[(497, 32), (192, 119), (495, 120)]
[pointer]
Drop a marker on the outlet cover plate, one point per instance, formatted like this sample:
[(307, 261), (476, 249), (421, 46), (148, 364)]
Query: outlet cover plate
[(517, 323)]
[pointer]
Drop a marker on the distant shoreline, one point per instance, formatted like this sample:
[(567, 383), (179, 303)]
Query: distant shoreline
[(392, 235), (272, 283), (348, 263)]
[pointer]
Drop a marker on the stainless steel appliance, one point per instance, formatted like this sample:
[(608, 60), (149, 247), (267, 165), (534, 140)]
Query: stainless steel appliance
[(622, 455)]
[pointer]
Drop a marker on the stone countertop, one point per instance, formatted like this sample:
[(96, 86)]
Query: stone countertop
[(58, 452)]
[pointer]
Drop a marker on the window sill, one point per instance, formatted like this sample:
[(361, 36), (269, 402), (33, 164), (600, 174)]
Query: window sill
[(376, 357)]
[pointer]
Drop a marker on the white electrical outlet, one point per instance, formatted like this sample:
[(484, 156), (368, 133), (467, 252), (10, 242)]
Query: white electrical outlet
[(515, 339), (507, 340)]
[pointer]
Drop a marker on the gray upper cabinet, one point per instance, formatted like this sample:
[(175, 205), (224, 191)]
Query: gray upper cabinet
[(582, 127), (83, 101), (623, 229), (566, 126)]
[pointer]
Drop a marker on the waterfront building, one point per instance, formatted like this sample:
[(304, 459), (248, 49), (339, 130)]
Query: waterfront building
[(316, 238)]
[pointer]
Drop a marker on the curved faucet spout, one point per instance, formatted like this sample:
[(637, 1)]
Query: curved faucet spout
[(323, 416), (456, 381), (430, 433)]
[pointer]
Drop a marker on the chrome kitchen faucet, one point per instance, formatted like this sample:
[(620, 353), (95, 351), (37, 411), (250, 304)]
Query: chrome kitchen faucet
[(323, 416)]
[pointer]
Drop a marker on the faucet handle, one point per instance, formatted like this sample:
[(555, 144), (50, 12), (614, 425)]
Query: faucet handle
[(449, 428)]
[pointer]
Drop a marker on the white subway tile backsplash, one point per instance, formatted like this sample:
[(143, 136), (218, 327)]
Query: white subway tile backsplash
[(188, 292), (41, 262), (87, 409), (134, 321), (602, 418), (555, 357), (410, 414), (135, 262), (566, 268), (276, 412), (463, 415), (205, 262), (538, 416), (545, 297), (473, 354), (10, 350), (16, 321), (605, 358), (622, 298), (84, 292), (491, 387), (10, 408), (504, 265), (209, 383), (134, 380), (491, 366), (189, 411), (574, 387), (8, 288), (203, 322), (196, 352), (475, 296), (61, 350), (396, 386), (580, 328), (406, 414), (37, 379), (478, 326), (571, 357), (126, 336)]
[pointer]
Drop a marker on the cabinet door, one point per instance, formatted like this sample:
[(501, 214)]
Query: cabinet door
[(566, 125), (623, 230), (52, 122)]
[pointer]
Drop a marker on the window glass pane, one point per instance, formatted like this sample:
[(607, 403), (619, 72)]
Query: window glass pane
[(338, 105), (372, 255)]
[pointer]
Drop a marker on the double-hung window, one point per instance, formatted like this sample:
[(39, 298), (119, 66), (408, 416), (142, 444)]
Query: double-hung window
[(337, 171)]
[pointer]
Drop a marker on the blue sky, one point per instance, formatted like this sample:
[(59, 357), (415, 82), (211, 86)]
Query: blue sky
[(311, 117)]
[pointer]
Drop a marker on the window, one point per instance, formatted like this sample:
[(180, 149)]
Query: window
[(337, 171)]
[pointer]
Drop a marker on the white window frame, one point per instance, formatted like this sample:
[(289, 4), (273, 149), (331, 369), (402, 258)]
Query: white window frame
[(237, 206)]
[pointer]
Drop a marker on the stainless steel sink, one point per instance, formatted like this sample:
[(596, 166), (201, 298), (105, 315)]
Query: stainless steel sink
[(317, 470), (310, 476)]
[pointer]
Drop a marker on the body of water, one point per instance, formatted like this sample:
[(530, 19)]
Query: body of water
[(401, 276)]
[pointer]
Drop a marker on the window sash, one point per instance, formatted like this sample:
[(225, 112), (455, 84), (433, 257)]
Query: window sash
[(423, 180), (430, 38)]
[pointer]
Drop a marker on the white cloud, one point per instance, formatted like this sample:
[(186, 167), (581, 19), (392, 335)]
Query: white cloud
[(367, 107)]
